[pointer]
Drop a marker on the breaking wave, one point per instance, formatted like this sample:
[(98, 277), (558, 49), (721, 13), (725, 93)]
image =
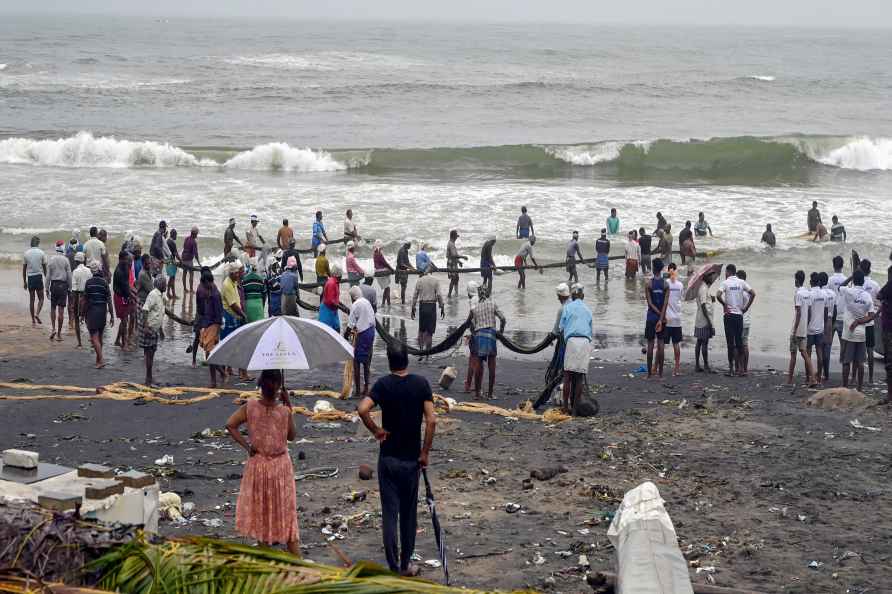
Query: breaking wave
[(745, 156), (86, 150)]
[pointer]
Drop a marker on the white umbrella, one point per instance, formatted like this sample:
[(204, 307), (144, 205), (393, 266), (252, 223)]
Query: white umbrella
[(282, 342)]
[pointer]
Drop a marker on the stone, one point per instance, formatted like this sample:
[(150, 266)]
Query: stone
[(101, 488), (95, 471), (21, 459), (837, 398), (135, 479), (365, 472), (547, 473), (58, 501)]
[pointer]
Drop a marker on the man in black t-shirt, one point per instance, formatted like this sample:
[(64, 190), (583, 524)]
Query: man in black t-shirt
[(644, 241), (405, 399)]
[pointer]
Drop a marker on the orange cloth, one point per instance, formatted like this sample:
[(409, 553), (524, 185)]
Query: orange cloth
[(209, 338), (267, 502)]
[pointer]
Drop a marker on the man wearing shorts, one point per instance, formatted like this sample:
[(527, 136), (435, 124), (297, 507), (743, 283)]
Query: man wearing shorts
[(731, 295), (524, 229), (576, 329), (427, 296), (672, 332), (59, 278), (79, 279), (655, 296), (95, 302), (836, 280), (33, 271), (520, 261), (817, 319), (872, 287), (799, 331), (857, 305), (644, 242)]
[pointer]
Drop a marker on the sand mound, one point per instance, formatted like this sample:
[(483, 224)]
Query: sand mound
[(837, 398)]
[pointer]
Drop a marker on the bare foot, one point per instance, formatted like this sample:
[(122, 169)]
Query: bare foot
[(52, 336), (100, 365), (411, 571), (37, 319)]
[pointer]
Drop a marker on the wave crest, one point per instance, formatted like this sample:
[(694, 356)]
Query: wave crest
[(279, 156)]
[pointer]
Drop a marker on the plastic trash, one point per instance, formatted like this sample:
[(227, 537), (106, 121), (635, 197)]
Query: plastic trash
[(857, 425), (212, 522), (447, 377), (512, 508), (165, 460), (170, 506), (322, 406)]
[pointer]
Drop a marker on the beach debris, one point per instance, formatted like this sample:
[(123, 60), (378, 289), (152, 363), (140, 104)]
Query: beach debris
[(447, 377), (21, 459), (95, 471), (135, 479), (857, 425), (512, 508), (527, 484), (583, 561), (165, 460), (188, 508), (324, 472), (548, 473), (435, 563), (815, 564), (207, 433), (836, 398), (322, 426), (365, 472), (101, 488), (59, 502), (355, 496), (322, 406), (538, 559), (170, 506), (212, 522)]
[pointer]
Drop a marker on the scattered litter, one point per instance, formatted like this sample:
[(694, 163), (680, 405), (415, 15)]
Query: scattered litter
[(212, 522), (435, 563), (538, 559), (188, 508), (165, 460), (170, 506), (322, 426), (583, 561), (355, 496), (815, 564), (322, 406), (317, 473), (563, 554), (512, 508), (857, 425)]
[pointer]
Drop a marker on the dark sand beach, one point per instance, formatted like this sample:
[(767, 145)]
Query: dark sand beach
[(759, 485)]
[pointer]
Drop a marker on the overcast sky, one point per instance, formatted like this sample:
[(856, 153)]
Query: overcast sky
[(848, 13)]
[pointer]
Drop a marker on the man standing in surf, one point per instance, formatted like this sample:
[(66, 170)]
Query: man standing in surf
[(655, 296), (572, 252), (814, 218)]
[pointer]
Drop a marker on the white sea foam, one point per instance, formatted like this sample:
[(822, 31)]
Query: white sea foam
[(86, 150), (589, 155), (323, 61), (761, 77), (3, 66), (863, 154), (279, 156)]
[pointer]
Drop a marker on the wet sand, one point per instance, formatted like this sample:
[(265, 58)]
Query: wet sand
[(758, 484)]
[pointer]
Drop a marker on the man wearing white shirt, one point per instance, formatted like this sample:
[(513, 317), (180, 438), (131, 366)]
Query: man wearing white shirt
[(830, 308), (857, 305), (817, 319), (673, 332), (731, 295), (361, 324), (872, 287), (79, 279), (350, 227), (799, 331)]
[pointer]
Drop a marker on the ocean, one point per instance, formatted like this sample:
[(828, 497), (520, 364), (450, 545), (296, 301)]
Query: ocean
[(421, 128)]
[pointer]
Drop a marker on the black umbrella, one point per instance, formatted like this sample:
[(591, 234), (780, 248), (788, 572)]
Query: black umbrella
[(438, 531)]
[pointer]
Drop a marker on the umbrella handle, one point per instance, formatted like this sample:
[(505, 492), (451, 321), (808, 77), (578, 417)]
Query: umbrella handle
[(427, 484)]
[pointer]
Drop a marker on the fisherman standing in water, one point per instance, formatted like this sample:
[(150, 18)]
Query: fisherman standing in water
[(524, 228), (701, 228), (520, 262), (487, 264), (229, 237), (768, 237), (319, 235), (572, 252), (454, 258), (403, 266), (350, 231), (814, 218), (602, 259)]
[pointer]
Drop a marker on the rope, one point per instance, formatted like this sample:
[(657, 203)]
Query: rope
[(450, 341)]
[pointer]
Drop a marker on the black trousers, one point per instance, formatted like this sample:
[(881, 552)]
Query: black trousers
[(398, 484)]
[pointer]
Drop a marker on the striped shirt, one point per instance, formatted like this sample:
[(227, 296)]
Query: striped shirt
[(485, 314), (97, 292), (253, 286)]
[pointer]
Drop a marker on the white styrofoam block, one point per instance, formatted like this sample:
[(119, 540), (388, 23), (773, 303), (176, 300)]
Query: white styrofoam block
[(20, 458)]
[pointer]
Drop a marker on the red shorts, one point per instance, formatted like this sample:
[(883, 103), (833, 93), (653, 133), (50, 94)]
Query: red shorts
[(518, 262), (122, 308)]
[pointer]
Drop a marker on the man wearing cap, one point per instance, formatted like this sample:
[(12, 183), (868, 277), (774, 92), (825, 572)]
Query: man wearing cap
[(319, 235), (79, 279), (288, 283), (321, 265), (427, 296), (350, 231), (576, 330), (230, 238), (253, 238), (58, 277), (158, 246), (382, 266), (33, 271), (572, 253), (361, 323), (453, 262), (368, 291), (95, 301), (403, 266), (563, 294), (284, 236)]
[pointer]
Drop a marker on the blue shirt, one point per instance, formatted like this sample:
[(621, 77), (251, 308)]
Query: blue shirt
[(422, 260), (657, 296), (318, 231), (576, 320), (288, 283)]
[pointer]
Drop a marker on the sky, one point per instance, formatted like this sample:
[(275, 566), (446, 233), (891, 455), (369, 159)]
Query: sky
[(808, 13)]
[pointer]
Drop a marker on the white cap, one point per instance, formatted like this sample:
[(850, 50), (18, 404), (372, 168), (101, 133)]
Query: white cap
[(254, 217), (355, 293), (378, 245), (562, 290), (322, 247), (350, 245), (472, 288), (577, 288), (79, 257)]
